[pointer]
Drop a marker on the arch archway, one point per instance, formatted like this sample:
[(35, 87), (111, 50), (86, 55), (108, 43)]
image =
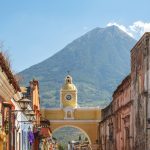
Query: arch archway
[(73, 126), (89, 128)]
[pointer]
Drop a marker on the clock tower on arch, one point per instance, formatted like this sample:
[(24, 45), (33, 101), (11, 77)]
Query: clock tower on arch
[(68, 94)]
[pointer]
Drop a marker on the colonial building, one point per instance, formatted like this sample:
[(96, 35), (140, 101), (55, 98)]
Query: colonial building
[(140, 92), (39, 127), (8, 89), (78, 145), (116, 127), (21, 125), (125, 122)]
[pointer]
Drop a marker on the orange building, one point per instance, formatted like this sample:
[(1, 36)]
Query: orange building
[(41, 126), (32, 93)]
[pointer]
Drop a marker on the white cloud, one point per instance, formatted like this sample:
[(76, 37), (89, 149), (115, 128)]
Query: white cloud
[(136, 30), (122, 27), (140, 27)]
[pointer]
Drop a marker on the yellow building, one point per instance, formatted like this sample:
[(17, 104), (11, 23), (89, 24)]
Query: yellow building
[(69, 114)]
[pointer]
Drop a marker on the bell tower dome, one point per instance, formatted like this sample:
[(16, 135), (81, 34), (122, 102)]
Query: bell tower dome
[(68, 94)]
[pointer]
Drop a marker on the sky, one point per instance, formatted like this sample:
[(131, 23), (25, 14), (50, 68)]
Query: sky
[(33, 30)]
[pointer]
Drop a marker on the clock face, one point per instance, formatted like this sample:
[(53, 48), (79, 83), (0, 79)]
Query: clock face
[(68, 97)]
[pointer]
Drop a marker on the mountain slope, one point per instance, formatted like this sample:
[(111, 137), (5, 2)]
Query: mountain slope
[(98, 61)]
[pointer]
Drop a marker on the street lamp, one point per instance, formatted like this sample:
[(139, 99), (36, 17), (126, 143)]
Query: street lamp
[(24, 103), (30, 116)]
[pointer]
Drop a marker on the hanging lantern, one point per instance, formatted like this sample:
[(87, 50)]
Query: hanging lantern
[(30, 116), (24, 103)]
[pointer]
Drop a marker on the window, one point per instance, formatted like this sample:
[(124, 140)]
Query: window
[(69, 114)]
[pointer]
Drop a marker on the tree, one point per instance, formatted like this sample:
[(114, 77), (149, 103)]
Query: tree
[(60, 147), (79, 137)]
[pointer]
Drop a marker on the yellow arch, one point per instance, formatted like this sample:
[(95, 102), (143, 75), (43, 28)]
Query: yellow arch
[(85, 119), (73, 126)]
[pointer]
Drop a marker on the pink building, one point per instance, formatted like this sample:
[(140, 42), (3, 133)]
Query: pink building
[(116, 126), (125, 123)]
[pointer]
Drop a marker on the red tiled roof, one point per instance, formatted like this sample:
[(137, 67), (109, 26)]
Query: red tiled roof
[(8, 72)]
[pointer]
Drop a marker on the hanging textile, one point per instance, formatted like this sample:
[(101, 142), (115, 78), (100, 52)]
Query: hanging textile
[(30, 137)]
